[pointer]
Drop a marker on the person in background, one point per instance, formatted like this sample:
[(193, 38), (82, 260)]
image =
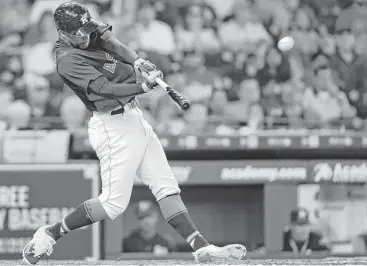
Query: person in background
[(355, 10), (6, 98), (325, 104), (246, 111), (344, 56), (245, 30), (40, 43), (299, 238), (193, 35), (73, 113), (360, 243), (18, 116), (154, 35), (38, 96), (146, 238), (199, 80), (223, 123), (302, 29), (276, 68)]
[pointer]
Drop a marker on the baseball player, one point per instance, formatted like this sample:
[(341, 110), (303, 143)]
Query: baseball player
[(104, 73)]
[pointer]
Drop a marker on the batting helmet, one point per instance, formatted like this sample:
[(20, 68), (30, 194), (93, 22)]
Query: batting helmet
[(75, 24)]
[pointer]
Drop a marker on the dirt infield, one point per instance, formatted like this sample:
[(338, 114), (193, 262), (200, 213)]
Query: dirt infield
[(328, 261)]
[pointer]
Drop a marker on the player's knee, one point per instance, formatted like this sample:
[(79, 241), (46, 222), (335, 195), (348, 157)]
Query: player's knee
[(165, 192), (115, 207)]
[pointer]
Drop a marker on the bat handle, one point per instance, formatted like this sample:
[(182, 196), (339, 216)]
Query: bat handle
[(163, 84)]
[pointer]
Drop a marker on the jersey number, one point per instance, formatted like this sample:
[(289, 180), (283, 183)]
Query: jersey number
[(110, 67)]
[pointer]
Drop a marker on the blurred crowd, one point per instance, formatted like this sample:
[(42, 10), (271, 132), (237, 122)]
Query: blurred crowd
[(222, 55)]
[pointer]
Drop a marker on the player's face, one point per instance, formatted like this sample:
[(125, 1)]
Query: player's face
[(78, 39), (81, 38)]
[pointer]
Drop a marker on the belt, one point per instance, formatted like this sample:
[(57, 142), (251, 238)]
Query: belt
[(120, 109), (127, 107)]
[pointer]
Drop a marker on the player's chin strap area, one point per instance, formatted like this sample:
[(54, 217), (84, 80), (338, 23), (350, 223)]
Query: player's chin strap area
[(75, 41), (83, 36)]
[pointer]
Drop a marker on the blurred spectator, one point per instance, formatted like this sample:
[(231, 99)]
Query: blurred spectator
[(272, 77), (167, 11), (221, 8), (247, 111), (192, 121), (244, 31), (18, 116), (276, 68), (193, 35), (146, 238), (73, 113), (154, 35), (356, 85), (344, 57), (360, 244), (14, 17), (325, 102), (271, 101), (43, 31), (198, 81), (218, 115), (218, 103), (356, 12), (38, 58), (195, 120), (6, 98), (38, 96), (298, 237), (292, 101), (303, 32), (327, 41)]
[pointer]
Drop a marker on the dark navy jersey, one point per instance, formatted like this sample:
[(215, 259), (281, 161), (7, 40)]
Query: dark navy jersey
[(79, 67)]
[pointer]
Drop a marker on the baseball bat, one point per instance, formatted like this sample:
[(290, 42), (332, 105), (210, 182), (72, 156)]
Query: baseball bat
[(175, 95)]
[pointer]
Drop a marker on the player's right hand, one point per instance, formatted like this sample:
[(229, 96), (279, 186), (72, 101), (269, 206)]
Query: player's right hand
[(150, 82), (144, 66)]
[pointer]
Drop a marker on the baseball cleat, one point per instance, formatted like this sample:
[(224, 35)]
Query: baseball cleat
[(41, 244), (213, 253)]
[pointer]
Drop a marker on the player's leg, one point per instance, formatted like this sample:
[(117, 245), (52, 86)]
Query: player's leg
[(156, 173), (120, 153)]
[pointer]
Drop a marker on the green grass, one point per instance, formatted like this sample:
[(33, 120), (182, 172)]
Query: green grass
[(328, 261)]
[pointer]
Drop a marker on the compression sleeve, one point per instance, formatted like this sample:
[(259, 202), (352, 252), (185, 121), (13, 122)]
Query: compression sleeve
[(104, 88), (120, 51)]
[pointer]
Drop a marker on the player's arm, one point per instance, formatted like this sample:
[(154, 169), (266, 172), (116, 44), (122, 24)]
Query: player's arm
[(123, 53), (102, 87), (110, 43), (83, 75)]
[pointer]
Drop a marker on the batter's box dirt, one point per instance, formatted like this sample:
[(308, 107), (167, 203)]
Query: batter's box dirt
[(308, 262)]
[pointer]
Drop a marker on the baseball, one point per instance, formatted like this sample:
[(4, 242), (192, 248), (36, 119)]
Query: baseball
[(286, 44)]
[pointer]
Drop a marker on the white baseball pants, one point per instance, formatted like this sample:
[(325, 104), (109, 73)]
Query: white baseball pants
[(126, 147)]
